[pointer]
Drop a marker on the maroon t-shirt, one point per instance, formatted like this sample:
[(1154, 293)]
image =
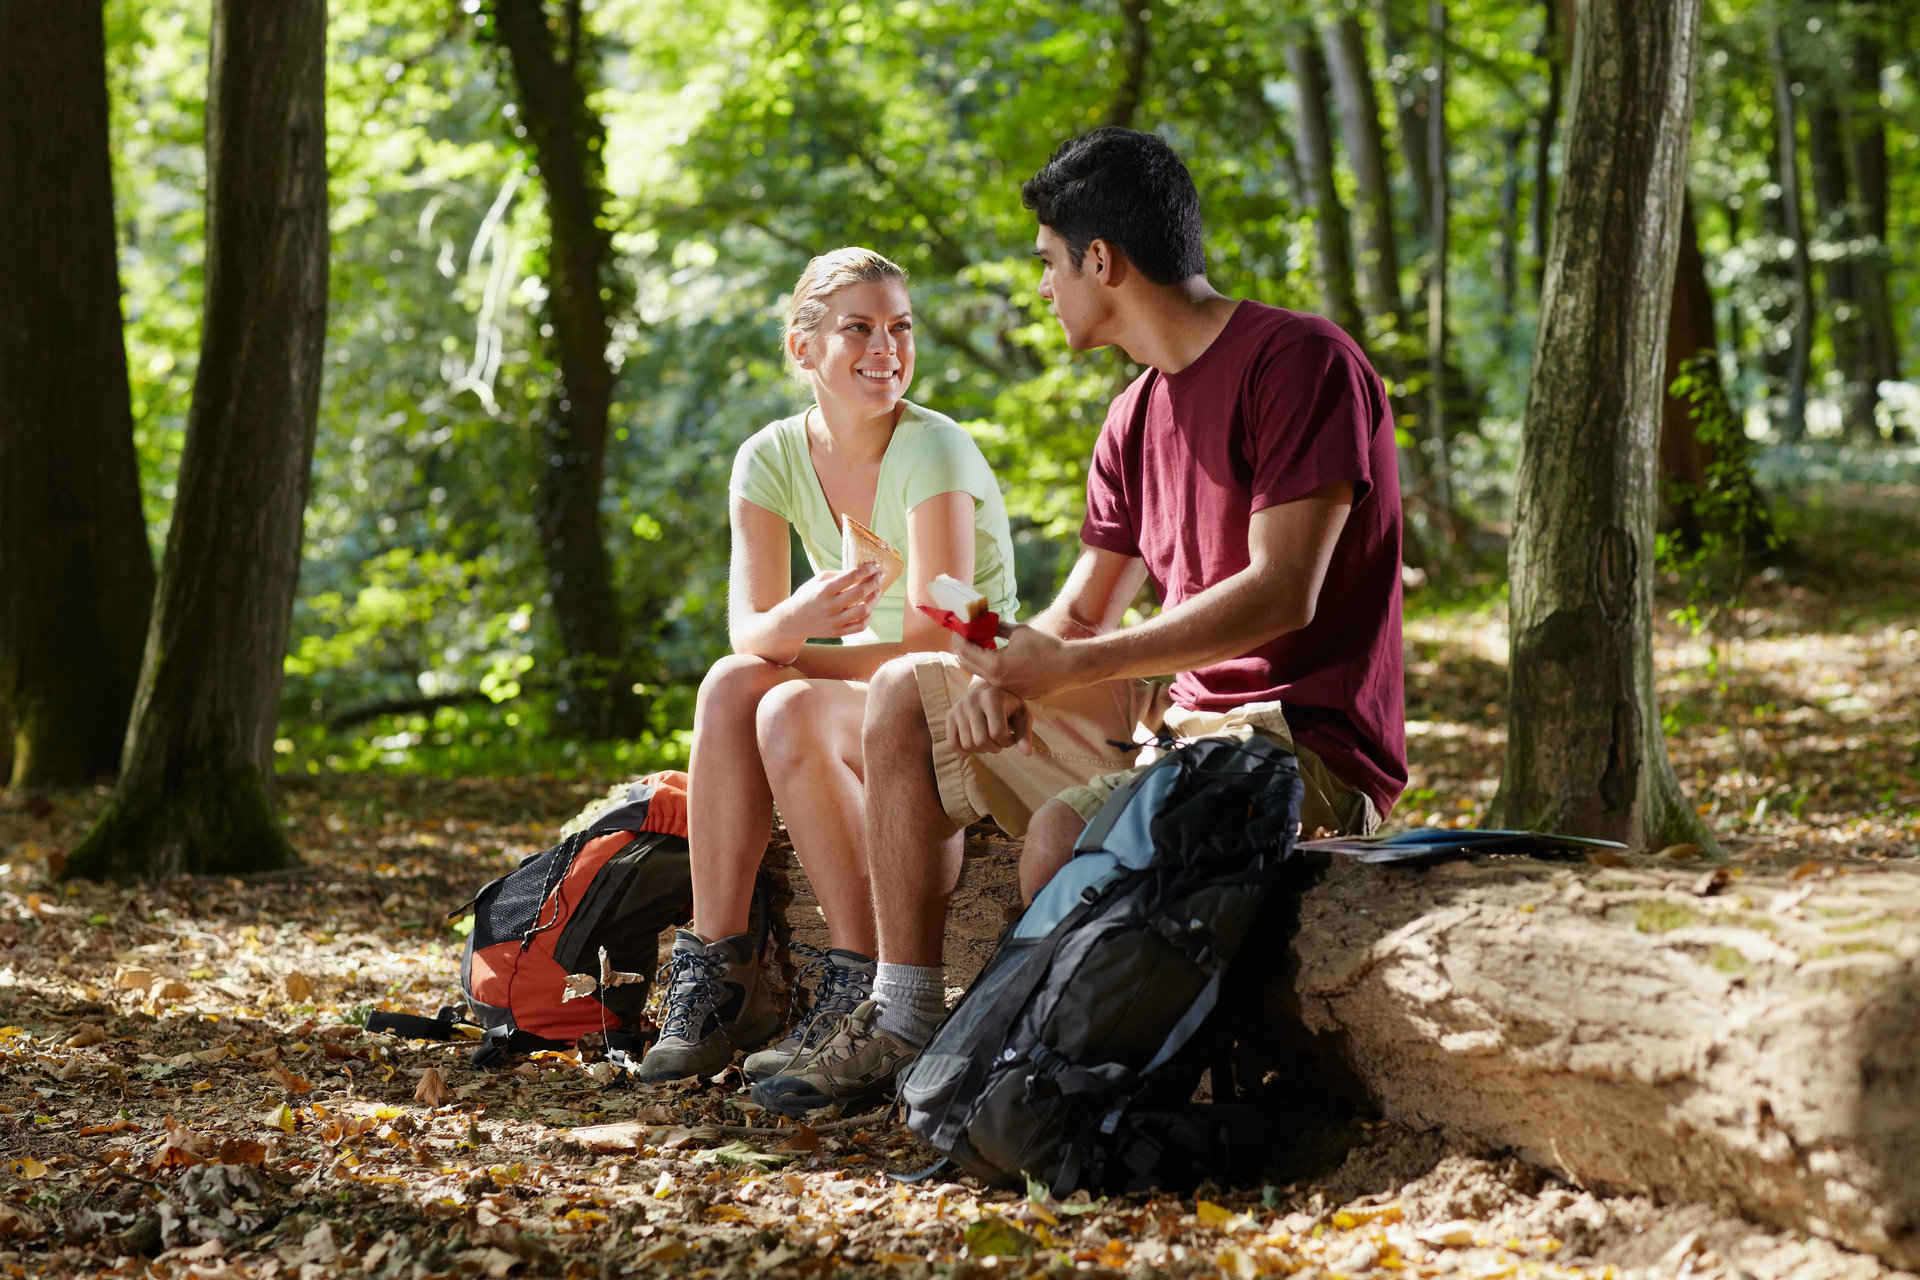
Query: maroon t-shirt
[(1279, 405)]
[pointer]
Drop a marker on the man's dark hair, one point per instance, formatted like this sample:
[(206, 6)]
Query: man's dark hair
[(1125, 187)]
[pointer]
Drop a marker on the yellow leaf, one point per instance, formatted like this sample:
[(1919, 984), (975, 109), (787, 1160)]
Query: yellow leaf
[(28, 1168), (90, 1034), (281, 1118), (1213, 1215)]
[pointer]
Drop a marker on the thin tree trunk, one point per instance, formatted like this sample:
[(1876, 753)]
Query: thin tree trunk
[(1403, 89), (1439, 387), (1316, 158), (1507, 264), (1554, 47), (1867, 155), (76, 574), (1345, 45), (1585, 753), (1836, 227), (564, 134), (194, 789), (1793, 419)]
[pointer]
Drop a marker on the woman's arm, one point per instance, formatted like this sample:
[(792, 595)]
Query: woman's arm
[(762, 618), (939, 540)]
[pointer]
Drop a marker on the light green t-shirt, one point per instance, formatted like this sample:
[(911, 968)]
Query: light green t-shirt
[(930, 454)]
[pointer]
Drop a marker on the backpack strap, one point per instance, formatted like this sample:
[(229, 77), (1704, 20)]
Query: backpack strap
[(412, 1025)]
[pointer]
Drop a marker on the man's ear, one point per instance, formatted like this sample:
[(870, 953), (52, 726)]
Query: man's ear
[(1104, 262)]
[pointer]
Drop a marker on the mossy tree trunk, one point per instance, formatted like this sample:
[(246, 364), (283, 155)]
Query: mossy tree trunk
[(76, 574), (1585, 752), (194, 793)]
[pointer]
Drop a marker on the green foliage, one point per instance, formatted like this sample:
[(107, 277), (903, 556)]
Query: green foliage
[(742, 136)]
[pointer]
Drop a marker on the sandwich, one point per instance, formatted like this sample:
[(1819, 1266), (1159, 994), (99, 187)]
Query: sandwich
[(860, 545)]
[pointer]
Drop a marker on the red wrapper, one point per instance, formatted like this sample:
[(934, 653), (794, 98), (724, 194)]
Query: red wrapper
[(981, 631)]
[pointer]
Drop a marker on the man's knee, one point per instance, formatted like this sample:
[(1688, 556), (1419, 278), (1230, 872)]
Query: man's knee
[(1049, 845), (896, 720)]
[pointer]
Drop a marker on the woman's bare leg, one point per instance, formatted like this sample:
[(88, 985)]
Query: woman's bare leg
[(729, 803), (809, 735)]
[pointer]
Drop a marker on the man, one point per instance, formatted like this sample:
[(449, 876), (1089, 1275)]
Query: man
[(1250, 474)]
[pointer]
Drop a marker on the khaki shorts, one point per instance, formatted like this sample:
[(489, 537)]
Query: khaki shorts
[(1089, 741)]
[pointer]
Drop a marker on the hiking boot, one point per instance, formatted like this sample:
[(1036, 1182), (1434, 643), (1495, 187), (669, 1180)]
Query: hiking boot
[(845, 979), (857, 1062), (716, 1003)]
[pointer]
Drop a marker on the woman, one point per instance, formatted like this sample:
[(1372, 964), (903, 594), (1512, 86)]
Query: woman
[(778, 720)]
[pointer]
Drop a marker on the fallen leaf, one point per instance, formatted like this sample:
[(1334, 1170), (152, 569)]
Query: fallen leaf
[(18, 1224), (27, 1167), (804, 1138), (432, 1088), (297, 987), (993, 1237), (243, 1151), (578, 985), (135, 979), (1447, 1235), (608, 1139), (291, 1082), (1679, 851), (173, 989), (1711, 883), (86, 1036), (281, 1118), (115, 1125)]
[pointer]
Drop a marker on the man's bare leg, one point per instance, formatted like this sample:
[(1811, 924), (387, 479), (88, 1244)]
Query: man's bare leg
[(913, 848), (1049, 846)]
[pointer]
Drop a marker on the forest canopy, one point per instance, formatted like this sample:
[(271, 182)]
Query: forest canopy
[(727, 140)]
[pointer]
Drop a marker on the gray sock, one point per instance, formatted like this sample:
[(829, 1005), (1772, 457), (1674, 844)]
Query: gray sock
[(912, 999)]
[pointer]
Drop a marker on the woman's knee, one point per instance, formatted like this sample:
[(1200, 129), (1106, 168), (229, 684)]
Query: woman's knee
[(1049, 845), (793, 725), (734, 687)]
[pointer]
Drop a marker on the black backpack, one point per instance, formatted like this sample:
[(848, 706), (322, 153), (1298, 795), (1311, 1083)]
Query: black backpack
[(1073, 1058)]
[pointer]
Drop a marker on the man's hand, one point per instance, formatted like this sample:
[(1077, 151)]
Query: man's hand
[(985, 720), (1029, 663)]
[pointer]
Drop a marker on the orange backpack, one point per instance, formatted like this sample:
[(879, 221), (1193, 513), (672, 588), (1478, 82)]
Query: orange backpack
[(592, 905)]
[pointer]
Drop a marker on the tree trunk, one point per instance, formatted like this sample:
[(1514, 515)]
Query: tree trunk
[(1439, 231), (1556, 49), (1753, 1042), (1867, 156), (1346, 58), (550, 77), (194, 789), (1316, 158), (1793, 417), (1690, 331), (1138, 17), (1846, 312), (76, 574), (1584, 748), (1403, 89)]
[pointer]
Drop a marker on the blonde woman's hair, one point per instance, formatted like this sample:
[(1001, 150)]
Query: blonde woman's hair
[(825, 276)]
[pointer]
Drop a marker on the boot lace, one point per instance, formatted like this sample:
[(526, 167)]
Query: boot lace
[(837, 991), (691, 978)]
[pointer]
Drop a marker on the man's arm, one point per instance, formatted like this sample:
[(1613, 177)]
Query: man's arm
[(1289, 548)]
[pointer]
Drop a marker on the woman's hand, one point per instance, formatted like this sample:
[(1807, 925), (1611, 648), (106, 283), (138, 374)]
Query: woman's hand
[(833, 603)]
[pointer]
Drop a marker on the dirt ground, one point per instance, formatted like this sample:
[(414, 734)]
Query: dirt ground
[(186, 1089)]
